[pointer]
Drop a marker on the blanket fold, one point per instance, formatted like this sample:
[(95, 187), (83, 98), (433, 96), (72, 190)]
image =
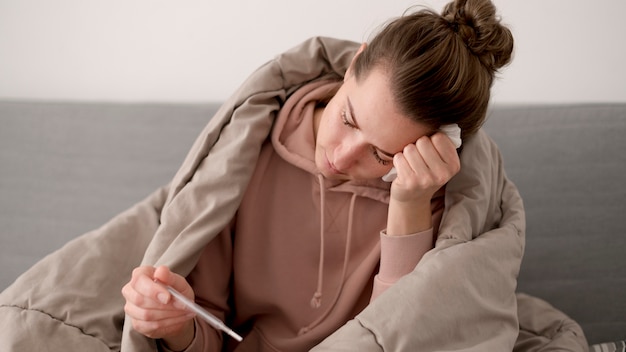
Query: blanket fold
[(461, 296)]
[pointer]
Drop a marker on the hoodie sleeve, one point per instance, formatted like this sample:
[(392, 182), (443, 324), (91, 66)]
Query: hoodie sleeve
[(400, 254)]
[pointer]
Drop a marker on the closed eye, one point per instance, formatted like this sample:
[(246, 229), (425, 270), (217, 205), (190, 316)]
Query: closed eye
[(344, 119), (378, 158), (375, 152)]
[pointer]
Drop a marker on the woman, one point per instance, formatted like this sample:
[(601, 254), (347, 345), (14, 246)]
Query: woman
[(316, 222), (273, 221)]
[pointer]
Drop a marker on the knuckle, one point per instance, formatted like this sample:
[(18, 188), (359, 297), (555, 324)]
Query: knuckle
[(146, 328), (141, 271), (422, 183), (439, 137), (424, 140), (141, 315), (152, 328), (128, 309), (137, 325), (146, 315), (442, 179), (135, 298), (138, 299)]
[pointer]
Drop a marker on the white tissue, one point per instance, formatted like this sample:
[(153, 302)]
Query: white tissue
[(391, 175), (454, 133)]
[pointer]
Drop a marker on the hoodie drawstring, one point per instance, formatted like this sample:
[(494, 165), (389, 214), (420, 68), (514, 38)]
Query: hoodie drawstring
[(316, 301)]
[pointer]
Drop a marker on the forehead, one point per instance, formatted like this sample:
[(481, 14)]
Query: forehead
[(377, 113)]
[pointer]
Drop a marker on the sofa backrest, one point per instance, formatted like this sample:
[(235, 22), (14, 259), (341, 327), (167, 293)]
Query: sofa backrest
[(67, 168), (569, 163)]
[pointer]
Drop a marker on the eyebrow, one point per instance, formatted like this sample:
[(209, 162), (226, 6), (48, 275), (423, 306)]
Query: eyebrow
[(356, 124)]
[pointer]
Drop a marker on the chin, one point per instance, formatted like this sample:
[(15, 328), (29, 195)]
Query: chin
[(340, 177), (330, 174)]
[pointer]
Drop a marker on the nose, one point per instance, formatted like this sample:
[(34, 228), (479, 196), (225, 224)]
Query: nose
[(346, 155)]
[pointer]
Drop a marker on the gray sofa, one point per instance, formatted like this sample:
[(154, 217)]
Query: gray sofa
[(67, 168)]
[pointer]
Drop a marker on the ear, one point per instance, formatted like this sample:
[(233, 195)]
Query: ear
[(358, 52)]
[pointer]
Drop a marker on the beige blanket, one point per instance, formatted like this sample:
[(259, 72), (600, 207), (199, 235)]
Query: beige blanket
[(461, 296)]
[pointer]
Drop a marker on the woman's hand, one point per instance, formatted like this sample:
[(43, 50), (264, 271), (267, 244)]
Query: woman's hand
[(152, 309), (423, 168)]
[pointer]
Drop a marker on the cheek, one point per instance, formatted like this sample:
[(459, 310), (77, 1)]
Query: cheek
[(329, 130)]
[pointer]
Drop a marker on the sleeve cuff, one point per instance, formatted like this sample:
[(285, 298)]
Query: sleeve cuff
[(400, 254)]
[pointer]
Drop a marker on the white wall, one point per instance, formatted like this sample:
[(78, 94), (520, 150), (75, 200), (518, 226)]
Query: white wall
[(201, 50)]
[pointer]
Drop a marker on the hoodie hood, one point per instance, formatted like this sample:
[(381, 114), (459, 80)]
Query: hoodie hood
[(293, 139)]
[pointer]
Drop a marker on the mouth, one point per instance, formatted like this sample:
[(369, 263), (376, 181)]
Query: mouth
[(332, 167)]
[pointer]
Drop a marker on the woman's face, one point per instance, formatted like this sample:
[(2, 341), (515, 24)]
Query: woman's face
[(361, 129)]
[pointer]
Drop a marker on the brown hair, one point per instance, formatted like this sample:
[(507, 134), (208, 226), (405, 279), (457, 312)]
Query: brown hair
[(442, 66)]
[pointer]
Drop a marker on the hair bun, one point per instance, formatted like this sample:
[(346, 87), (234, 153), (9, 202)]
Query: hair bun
[(476, 23)]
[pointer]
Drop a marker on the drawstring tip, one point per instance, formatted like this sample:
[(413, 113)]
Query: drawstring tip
[(316, 301)]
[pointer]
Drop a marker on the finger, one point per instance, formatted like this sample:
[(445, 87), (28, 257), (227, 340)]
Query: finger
[(167, 277), (138, 299), (414, 158), (179, 283), (429, 154), (162, 327), (142, 271), (152, 291), (448, 154), (439, 169), (154, 314), (427, 163), (401, 166), (406, 164), (134, 291), (439, 154), (445, 147)]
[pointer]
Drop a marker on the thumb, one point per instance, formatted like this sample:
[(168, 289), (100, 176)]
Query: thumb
[(167, 277), (163, 275)]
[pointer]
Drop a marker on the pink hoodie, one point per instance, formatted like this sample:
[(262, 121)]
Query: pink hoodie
[(304, 254)]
